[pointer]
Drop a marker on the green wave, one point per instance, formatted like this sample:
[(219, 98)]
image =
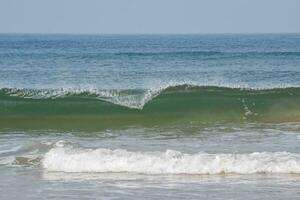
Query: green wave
[(182, 105)]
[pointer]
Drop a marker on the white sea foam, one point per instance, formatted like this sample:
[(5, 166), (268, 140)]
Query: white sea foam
[(67, 158)]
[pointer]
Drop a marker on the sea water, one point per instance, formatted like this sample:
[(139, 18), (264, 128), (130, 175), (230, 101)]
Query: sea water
[(150, 116)]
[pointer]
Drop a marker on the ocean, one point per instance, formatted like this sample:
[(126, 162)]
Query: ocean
[(212, 116)]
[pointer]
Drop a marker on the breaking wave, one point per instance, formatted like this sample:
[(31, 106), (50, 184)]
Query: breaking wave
[(179, 104), (137, 98), (67, 158)]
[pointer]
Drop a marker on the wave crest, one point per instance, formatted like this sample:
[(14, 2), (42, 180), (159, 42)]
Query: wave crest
[(136, 98)]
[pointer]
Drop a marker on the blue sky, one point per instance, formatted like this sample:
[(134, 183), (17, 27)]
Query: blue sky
[(149, 16)]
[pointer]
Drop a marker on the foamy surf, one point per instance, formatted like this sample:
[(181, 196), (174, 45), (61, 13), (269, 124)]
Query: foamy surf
[(67, 158)]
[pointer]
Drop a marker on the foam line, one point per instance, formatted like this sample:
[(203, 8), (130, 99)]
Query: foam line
[(66, 158)]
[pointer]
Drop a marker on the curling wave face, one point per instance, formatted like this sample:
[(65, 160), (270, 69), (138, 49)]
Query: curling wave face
[(179, 104)]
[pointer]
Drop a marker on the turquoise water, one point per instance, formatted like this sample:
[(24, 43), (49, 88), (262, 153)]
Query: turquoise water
[(150, 116)]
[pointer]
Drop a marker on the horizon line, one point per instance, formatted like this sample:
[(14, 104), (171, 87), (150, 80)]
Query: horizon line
[(208, 33)]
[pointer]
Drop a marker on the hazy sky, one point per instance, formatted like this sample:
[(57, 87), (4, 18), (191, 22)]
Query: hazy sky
[(149, 16)]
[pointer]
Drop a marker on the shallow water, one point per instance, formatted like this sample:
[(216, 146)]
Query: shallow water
[(23, 164)]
